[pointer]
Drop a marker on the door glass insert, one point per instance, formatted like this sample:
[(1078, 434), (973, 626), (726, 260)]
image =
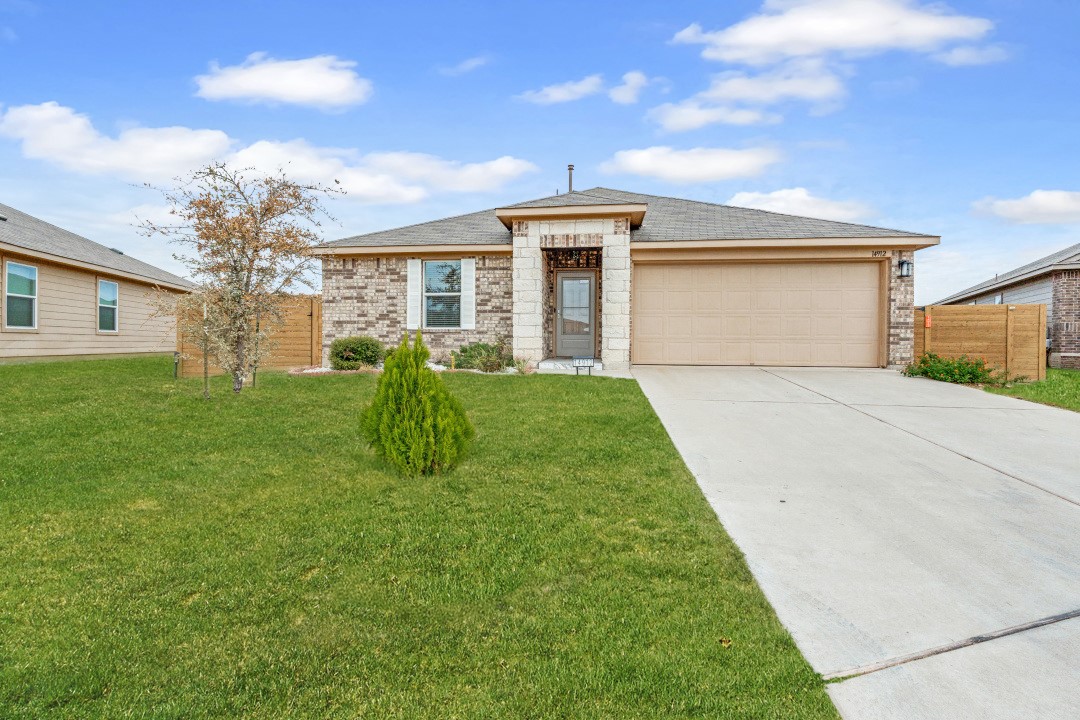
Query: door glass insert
[(576, 306)]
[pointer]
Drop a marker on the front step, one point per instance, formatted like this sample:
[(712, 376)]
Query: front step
[(563, 366)]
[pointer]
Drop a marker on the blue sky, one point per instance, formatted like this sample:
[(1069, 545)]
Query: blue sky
[(958, 119)]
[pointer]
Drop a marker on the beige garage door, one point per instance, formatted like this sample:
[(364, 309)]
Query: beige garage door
[(826, 314)]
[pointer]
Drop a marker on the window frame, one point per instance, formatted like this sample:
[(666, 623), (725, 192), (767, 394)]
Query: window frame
[(424, 294), (98, 306), (34, 297)]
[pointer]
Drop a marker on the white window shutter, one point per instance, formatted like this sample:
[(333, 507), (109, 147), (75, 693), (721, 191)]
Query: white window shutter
[(412, 314), (468, 293)]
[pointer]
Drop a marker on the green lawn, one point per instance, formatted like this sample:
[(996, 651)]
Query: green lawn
[(165, 557), (1061, 388)]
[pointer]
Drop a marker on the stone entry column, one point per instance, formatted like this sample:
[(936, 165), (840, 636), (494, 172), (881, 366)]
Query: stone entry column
[(528, 341), (615, 304)]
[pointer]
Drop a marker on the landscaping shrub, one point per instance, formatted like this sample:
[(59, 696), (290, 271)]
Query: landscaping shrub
[(955, 370), (352, 353), (414, 422), (486, 357)]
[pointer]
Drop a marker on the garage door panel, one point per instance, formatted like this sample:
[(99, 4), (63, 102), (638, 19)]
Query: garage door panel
[(736, 300), (676, 301), (735, 326), (792, 300), (797, 327), (765, 300), (797, 352), (679, 327), (766, 353), (735, 353), (708, 301), (757, 313), (826, 301)]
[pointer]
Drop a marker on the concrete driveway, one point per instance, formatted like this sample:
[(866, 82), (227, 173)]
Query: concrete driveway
[(894, 523)]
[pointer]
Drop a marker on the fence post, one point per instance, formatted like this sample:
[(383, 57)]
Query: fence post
[(1010, 346), (1042, 342), (927, 333)]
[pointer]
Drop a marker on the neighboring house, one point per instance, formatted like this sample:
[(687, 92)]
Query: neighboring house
[(632, 278), (1053, 281), (64, 295)]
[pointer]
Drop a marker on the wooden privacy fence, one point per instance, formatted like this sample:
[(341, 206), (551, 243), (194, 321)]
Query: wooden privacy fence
[(1011, 338), (296, 343)]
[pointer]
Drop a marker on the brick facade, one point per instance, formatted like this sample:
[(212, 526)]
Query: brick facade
[(901, 311), (368, 296), (1065, 331)]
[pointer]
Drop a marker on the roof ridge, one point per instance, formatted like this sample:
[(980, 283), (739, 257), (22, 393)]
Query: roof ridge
[(85, 239), (1059, 256), (767, 212), (411, 225)]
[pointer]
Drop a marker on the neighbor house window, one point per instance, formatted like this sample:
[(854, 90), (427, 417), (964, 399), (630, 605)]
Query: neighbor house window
[(442, 293), (108, 296), (20, 301)]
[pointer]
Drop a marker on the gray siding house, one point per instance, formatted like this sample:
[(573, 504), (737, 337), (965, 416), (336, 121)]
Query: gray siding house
[(1053, 281)]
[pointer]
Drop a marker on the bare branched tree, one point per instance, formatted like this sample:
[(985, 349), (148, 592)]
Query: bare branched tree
[(248, 239)]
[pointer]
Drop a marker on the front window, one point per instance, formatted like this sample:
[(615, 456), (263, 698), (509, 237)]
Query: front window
[(442, 293), (20, 302), (108, 297)]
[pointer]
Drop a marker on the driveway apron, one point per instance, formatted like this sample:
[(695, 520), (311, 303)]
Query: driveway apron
[(920, 540)]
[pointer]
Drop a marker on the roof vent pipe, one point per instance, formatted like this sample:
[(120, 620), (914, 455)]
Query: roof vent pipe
[(570, 182)]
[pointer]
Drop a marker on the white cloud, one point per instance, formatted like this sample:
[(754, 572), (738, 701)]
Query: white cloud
[(813, 28), (633, 83), (465, 66), (691, 115), (972, 55), (309, 163), (441, 174), (807, 80), (323, 81), (694, 165), (1041, 207), (565, 92), (58, 134), (799, 201)]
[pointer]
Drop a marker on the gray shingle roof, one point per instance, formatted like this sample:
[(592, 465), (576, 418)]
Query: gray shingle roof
[(666, 219), (478, 228), (1068, 256), (30, 233)]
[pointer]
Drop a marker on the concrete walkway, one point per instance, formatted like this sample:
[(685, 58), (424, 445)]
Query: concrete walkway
[(893, 521)]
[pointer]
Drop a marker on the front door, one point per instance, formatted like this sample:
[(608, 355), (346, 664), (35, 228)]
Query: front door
[(575, 314)]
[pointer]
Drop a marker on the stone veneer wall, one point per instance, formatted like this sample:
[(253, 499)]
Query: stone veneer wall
[(568, 259), (901, 311), (528, 286), (368, 296), (615, 307), (1065, 331)]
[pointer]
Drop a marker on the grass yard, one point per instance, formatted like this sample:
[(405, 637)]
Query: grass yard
[(164, 557), (1060, 388)]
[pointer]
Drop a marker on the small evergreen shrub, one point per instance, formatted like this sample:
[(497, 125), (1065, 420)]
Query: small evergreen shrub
[(352, 353), (486, 357), (414, 423), (963, 369)]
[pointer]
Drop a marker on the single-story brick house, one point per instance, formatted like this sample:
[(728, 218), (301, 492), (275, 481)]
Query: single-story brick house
[(65, 295), (632, 278), (1053, 281)]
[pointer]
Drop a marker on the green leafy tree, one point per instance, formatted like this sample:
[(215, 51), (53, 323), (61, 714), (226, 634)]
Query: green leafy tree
[(414, 423)]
